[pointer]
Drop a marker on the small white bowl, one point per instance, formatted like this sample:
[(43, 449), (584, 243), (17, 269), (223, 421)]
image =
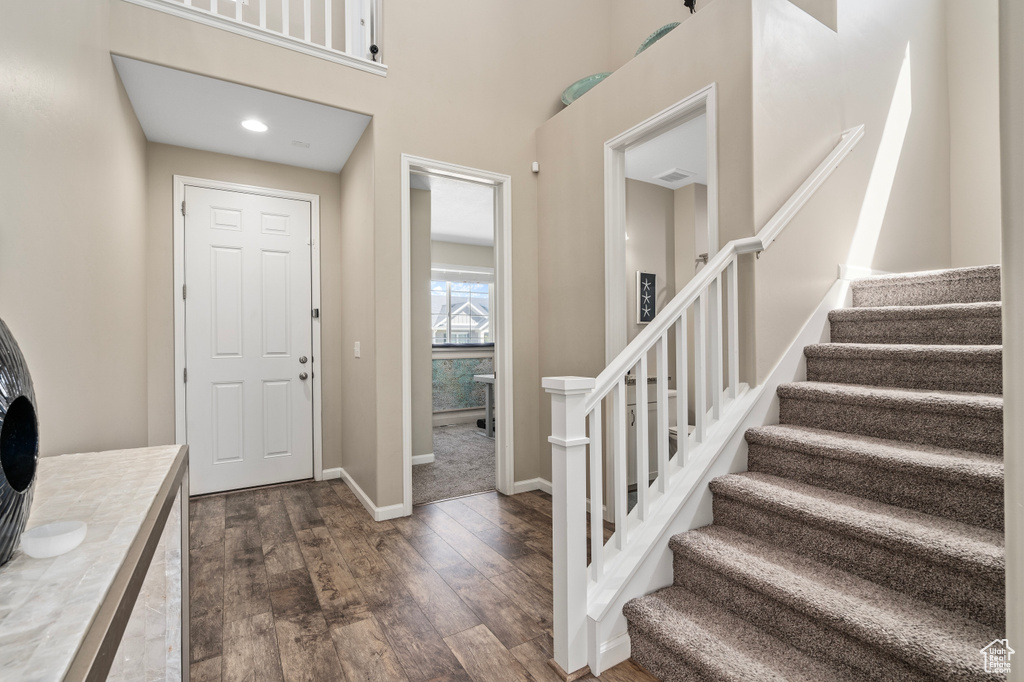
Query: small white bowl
[(53, 539)]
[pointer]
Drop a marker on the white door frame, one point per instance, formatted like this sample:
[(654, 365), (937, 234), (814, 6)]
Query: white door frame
[(704, 100), (182, 181), (501, 316)]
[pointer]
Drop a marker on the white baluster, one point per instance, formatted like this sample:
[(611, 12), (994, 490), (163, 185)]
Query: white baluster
[(596, 495), (682, 394), (238, 11), (307, 20), (620, 481), (643, 452), (700, 375), (734, 331), (263, 14), (285, 18), (715, 310), (569, 517), (327, 23), (663, 426), (188, 3), (213, 6)]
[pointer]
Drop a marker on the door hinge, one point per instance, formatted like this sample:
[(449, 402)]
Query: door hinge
[(316, 313), (182, 207), (186, 375), (183, 289)]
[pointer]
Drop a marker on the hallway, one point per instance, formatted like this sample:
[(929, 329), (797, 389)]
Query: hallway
[(296, 582)]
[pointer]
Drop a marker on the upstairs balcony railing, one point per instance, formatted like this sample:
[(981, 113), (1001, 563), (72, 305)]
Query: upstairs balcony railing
[(342, 31)]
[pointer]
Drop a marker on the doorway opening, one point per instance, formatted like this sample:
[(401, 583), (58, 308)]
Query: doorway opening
[(661, 227), (457, 360)]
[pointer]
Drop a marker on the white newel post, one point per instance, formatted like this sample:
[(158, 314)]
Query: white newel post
[(569, 518)]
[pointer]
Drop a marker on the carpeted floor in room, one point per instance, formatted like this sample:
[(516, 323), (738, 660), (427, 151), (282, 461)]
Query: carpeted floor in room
[(463, 464)]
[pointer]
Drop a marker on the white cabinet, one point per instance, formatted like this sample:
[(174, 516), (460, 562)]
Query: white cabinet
[(652, 429)]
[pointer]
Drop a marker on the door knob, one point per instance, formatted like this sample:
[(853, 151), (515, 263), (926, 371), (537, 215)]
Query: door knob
[(302, 359), (303, 376)]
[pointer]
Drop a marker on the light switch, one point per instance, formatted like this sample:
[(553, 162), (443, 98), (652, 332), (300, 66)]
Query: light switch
[(355, 350)]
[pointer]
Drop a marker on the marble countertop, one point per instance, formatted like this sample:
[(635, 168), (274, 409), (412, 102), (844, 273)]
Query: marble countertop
[(48, 605)]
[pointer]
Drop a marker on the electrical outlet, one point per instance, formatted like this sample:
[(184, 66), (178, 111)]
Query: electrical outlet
[(355, 349)]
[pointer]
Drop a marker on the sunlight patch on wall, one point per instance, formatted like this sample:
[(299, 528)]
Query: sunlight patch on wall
[(883, 173)]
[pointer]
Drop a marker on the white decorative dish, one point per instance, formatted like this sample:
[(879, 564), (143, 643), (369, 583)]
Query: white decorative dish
[(53, 539)]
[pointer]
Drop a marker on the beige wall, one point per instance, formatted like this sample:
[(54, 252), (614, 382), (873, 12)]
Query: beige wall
[(422, 360), (632, 22), (972, 41), (358, 386), (810, 84), (470, 97), (72, 261), (163, 162), (450, 253), (1011, 105), (570, 198), (825, 11), (650, 224)]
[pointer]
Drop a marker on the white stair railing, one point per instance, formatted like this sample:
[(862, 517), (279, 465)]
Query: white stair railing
[(305, 26), (578, 422)]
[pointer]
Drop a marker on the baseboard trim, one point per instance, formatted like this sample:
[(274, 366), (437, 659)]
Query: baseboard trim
[(391, 511), (330, 474), (423, 459), (531, 484), (613, 651), (851, 272)]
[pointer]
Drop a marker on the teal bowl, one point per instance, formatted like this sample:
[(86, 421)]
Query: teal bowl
[(581, 87), (656, 36)]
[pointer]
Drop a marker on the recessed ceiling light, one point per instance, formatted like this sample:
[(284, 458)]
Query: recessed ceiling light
[(254, 125)]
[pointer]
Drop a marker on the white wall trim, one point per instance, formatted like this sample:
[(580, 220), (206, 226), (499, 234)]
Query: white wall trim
[(702, 101), (613, 651), (331, 474), (423, 459), (501, 316), (182, 181), (532, 484), (391, 511), (251, 31), (851, 272)]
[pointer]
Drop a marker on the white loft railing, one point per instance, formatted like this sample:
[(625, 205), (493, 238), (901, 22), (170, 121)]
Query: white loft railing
[(342, 31), (578, 407)]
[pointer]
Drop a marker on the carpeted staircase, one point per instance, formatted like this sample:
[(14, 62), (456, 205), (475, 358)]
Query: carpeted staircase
[(866, 540)]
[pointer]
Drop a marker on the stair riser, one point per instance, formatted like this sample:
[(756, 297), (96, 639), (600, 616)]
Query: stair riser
[(974, 377), (951, 290), (961, 432), (657, 661), (981, 597), (969, 331), (797, 629), (908, 489)]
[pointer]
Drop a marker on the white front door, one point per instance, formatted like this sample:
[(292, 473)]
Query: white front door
[(248, 339)]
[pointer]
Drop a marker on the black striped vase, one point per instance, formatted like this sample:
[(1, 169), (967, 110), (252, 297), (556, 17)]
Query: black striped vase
[(19, 443)]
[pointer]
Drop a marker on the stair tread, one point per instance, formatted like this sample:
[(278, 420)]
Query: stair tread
[(936, 539), (932, 639), (720, 644), (943, 274), (988, 406), (976, 469), (918, 312), (968, 272), (907, 352)]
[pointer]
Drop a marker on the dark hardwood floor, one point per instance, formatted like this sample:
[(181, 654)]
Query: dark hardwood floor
[(297, 582)]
